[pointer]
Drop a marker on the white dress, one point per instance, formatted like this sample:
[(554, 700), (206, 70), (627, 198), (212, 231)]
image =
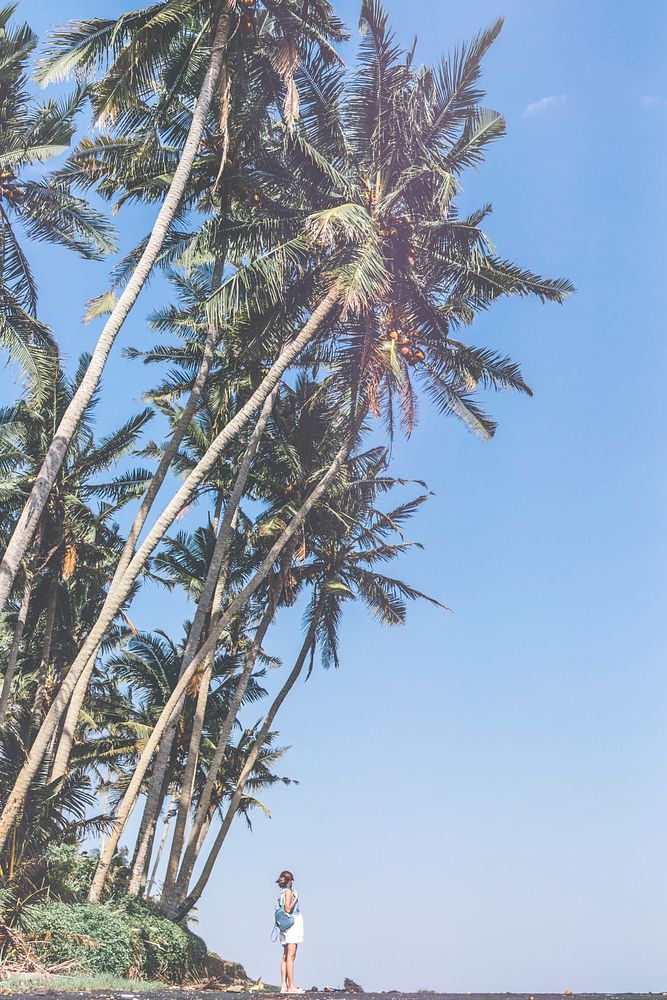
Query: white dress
[(293, 934)]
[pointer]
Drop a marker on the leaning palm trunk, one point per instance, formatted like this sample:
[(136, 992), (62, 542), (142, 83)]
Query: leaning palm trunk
[(176, 886), (225, 538), (27, 523), (45, 655), (174, 878), (211, 596), (61, 760), (189, 772), (158, 856), (121, 591), (175, 438), (217, 627), (12, 659), (192, 897), (143, 845)]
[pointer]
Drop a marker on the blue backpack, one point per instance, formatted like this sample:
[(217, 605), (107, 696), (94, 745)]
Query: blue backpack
[(284, 920)]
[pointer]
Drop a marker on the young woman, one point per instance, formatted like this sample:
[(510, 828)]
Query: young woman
[(293, 936)]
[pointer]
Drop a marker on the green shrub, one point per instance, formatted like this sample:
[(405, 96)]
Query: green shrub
[(70, 872), (127, 936), (169, 952), (91, 934)]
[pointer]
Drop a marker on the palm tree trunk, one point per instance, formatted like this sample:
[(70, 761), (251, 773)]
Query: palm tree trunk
[(45, 654), (117, 596), (213, 585), (143, 847), (158, 857), (177, 695), (170, 891), (187, 783), (175, 438), (61, 760), (192, 898), (13, 657), (27, 523)]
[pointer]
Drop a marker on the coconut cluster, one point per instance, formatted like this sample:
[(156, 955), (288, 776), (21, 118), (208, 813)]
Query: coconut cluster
[(403, 339), (398, 235), (247, 24), (407, 346)]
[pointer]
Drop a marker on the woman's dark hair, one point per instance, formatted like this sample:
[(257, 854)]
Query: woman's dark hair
[(286, 874)]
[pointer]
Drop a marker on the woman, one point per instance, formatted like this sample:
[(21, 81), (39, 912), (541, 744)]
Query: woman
[(290, 939)]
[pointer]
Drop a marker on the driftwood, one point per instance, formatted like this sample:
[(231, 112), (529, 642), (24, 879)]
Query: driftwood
[(24, 962), (211, 983)]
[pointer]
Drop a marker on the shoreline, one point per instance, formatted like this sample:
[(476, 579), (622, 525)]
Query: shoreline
[(183, 993)]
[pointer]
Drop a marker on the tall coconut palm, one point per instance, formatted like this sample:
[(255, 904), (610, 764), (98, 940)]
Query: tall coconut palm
[(210, 602), (353, 539), (138, 44), (218, 624), (302, 436)]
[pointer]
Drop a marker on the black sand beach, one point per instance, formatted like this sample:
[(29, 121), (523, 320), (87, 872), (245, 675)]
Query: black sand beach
[(183, 994)]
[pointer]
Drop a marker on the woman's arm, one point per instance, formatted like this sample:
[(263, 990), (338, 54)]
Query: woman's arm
[(289, 901)]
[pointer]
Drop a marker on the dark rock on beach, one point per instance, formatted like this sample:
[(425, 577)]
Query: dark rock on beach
[(224, 971), (350, 986)]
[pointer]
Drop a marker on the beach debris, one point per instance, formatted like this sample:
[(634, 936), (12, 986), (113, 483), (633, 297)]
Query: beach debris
[(207, 984), (568, 993), (257, 987), (351, 987), (23, 961)]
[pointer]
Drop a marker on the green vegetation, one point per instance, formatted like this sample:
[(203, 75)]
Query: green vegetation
[(319, 280), (127, 938)]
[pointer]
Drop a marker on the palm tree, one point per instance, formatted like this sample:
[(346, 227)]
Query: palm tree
[(218, 624), (340, 568), (210, 602), (299, 444), (138, 44), (300, 441), (461, 282)]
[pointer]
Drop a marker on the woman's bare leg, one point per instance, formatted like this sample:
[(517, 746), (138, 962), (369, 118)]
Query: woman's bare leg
[(283, 968), (289, 964)]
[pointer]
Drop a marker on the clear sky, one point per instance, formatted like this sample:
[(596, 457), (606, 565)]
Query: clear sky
[(482, 795)]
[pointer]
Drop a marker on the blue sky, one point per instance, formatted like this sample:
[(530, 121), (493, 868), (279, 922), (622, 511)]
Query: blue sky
[(481, 801)]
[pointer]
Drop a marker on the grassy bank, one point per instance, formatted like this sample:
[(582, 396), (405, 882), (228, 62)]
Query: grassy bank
[(79, 983)]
